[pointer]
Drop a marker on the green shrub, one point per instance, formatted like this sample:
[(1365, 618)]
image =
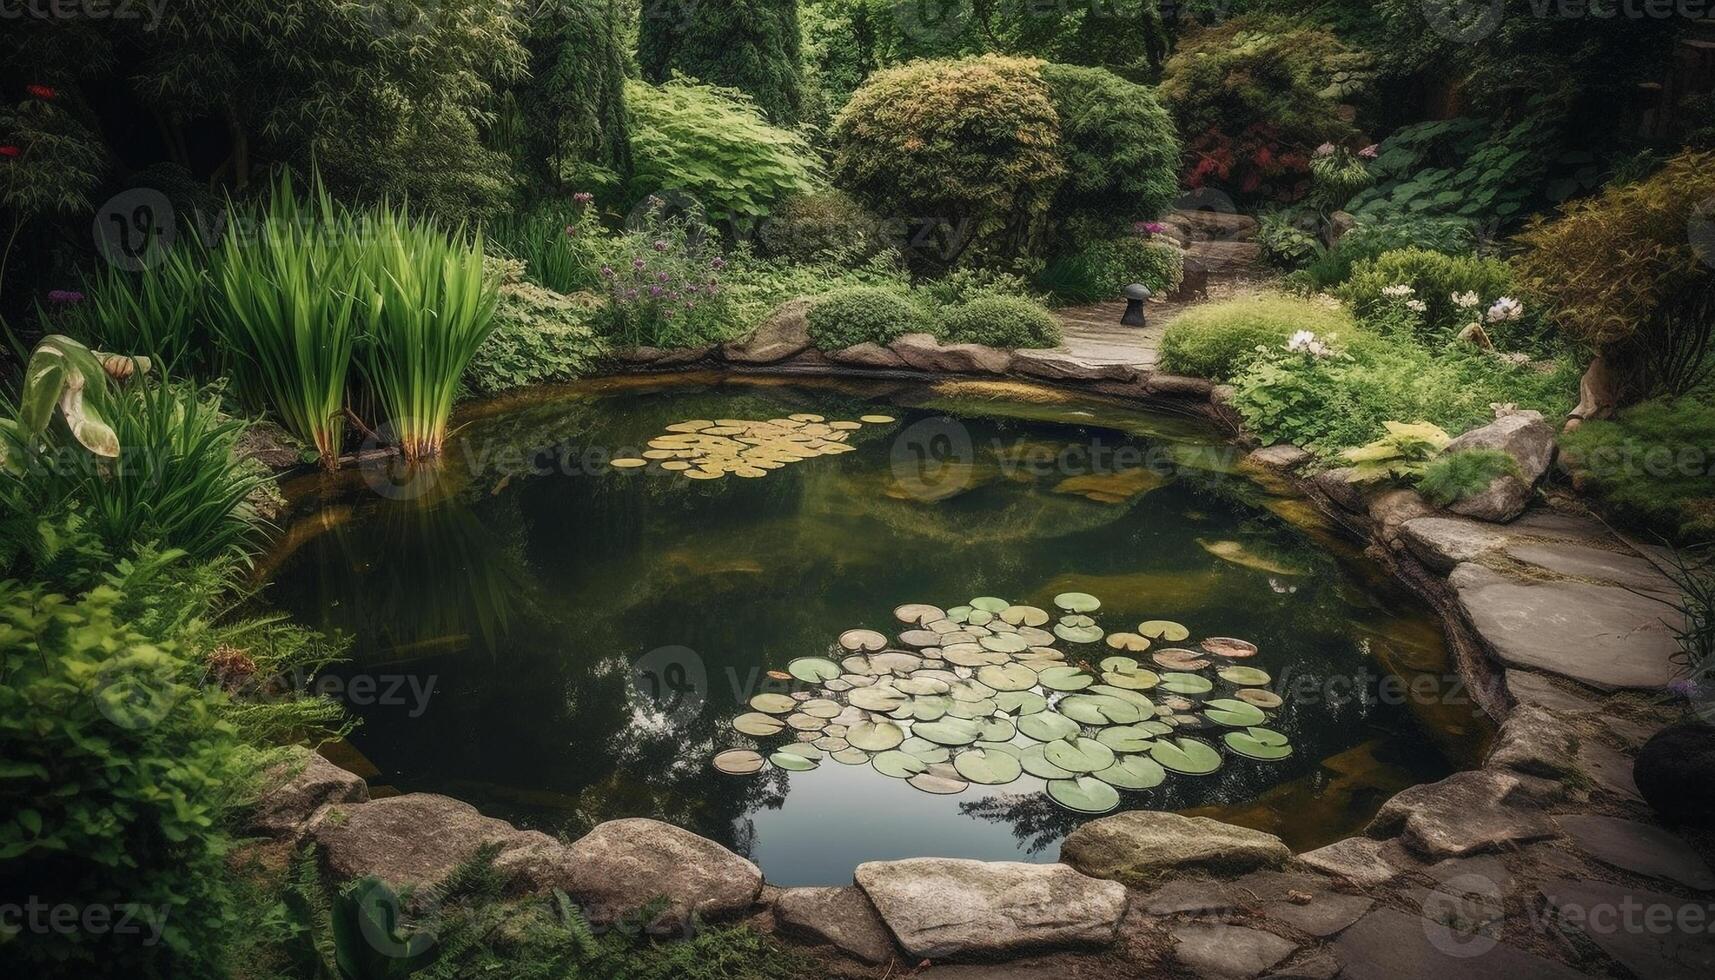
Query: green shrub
[(560, 244), (1652, 465), (1288, 240), (863, 314), (1120, 149), (664, 285), (1369, 238), (713, 146), (1403, 451), (1451, 477), (1219, 340), (751, 45), (539, 337), (961, 286), (1100, 270), (1000, 321), (973, 143), (1434, 278), (823, 227), (120, 783)]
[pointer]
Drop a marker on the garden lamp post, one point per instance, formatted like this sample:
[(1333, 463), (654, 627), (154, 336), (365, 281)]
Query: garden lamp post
[(1135, 294)]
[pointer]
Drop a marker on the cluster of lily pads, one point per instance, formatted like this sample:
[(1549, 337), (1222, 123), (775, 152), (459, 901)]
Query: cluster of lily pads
[(704, 449), (988, 691)]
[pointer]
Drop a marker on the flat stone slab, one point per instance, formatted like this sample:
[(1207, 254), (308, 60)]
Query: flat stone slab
[(622, 865), (1597, 634), (1324, 915), (1444, 542), (945, 908), (1060, 365), (923, 352), (839, 917), (1583, 561), (417, 839), (1608, 768), (1655, 935), (1531, 688), (1137, 846), (1535, 742), (1228, 952), (1466, 813), (1640, 848), (1363, 861), (1392, 945)]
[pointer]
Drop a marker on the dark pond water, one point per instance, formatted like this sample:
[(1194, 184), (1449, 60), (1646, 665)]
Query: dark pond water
[(560, 642)]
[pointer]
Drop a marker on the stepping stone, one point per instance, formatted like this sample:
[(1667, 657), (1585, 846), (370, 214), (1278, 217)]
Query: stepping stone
[(1536, 689), (1200, 896), (1608, 768), (948, 908), (1639, 848), (1136, 846), (1597, 634), (1534, 742), (1364, 861), (1228, 952), (622, 865), (840, 917), (1583, 561), (1325, 914), (1444, 542), (1655, 935), (1465, 813), (1391, 945)]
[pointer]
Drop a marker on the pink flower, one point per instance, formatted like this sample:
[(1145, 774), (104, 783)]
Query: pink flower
[(571, 230), (583, 197), (660, 245), (40, 91), (1369, 152), (662, 277), (1325, 150), (64, 296), (9, 151), (607, 272), (638, 263), (718, 263)]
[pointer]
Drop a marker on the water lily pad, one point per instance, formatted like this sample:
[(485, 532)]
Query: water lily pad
[(1163, 629), (1047, 726), (939, 785), (928, 707), (1024, 616), (1099, 709), (863, 640), (920, 638), (831, 743), (918, 686), (1127, 738), (875, 419), (970, 690), (959, 614), (1008, 677), (1174, 658), (1064, 678), (1124, 694), (1020, 703), (628, 463), (1128, 641), (1125, 672), (850, 756), (1084, 794), (774, 704), (793, 763), (1226, 646), (950, 731), (996, 728), (1076, 753), (1036, 637), (1133, 772), (987, 766), (738, 762), (813, 670), (1263, 744), (758, 724), (899, 765), (1004, 643), (970, 655), (806, 749), (926, 750), (972, 710), (918, 613), (877, 698), (1175, 682), (1190, 756), (1078, 602), (1259, 697), (979, 617), (1233, 714), (989, 603), (1244, 676), (875, 736), (1078, 634), (1034, 762), (799, 721)]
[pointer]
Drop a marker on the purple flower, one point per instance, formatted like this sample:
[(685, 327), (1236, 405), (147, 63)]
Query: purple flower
[(64, 296), (607, 271), (631, 294), (660, 245), (1685, 687), (662, 277), (583, 197), (638, 263), (718, 263), (571, 230)]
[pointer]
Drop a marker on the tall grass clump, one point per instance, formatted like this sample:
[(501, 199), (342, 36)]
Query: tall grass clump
[(161, 312), (430, 307), (286, 307)]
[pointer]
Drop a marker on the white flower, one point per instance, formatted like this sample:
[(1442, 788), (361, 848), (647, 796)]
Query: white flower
[(1504, 309), (1467, 301), (1305, 342), (1397, 292), (1416, 305)]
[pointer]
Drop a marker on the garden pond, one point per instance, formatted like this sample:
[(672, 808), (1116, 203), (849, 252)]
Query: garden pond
[(825, 622)]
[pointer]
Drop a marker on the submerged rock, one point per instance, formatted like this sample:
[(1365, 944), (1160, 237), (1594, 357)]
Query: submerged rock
[(1138, 845), (945, 908)]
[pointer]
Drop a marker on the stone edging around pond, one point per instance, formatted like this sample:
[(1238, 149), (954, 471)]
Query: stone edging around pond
[(1549, 631)]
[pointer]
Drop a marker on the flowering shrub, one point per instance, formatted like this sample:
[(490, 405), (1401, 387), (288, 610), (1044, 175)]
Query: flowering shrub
[(1434, 279), (663, 283), (1220, 340)]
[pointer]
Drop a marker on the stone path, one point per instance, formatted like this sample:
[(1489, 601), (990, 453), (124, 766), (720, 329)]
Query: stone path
[(1094, 334)]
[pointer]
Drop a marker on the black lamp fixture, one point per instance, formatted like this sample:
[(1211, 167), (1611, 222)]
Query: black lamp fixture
[(1135, 294)]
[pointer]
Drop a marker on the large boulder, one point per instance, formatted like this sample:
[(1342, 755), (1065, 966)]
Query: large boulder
[(298, 789), (1444, 542), (838, 917), (1530, 442), (947, 908), (1059, 365), (1675, 773), (1466, 813), (925, 353), (785, 333), (418, 839), (622, 865), (868, 355), (1137, 846)]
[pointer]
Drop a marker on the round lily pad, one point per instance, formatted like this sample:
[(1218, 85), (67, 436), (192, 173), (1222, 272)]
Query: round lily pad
[(1133, 772), (1024, 615), (926, 750), (894, 662), (916, 685), (1175, 682), (1084, 794), (1078, 602), (972, 709), (979, 617), (927, 707), (863, 640), (1077, 634), (951, 731), (1064, 678), (875, 736), (1008, 677), (1126, 738), (899, 765), (799, 721), (793, 763), (1173, 658), (1078, 754), (774, 704), (1259, 697), (1004, 643), (1020, 703), (987, 766), (1033, 761), (850, 756), (1163, 629), (1226, 646), (1047, 726), (738, 762), (939, 785), (996, 729), (989, 603), (1263, 744), (758, 724), (920, 638), (1190, 756), (805, 749), (877, 698), (1244, 676), (918, 613), (821, 708), (1128, 641), (1232, 713), (813, 670), (970, 690)]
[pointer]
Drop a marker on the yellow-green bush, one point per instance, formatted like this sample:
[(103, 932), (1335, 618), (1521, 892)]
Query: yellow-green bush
[(1219, 340), (863, 314), (1001, 321)]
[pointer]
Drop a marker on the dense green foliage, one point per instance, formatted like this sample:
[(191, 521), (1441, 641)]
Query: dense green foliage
[(1119, 147), (1000, 321), (1101, 269), (863, 314), (825, 227), (539, 337), (569, 116), (1219, 340), (1434, 278), (750, 45), (663, 284), (1451, 477), (1653, 464)]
